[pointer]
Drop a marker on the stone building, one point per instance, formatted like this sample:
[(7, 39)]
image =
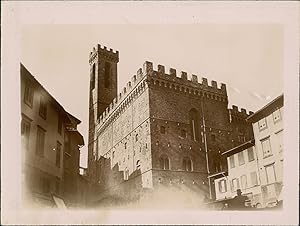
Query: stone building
[(160, 131), (50, 146)]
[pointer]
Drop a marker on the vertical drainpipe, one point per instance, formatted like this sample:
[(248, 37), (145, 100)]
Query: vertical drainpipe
[(206, 151)]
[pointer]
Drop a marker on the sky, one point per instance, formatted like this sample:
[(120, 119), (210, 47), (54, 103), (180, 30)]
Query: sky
[(247, 58)]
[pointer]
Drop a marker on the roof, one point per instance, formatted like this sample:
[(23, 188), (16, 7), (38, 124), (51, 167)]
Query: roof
[(239, 148), (68, 117), (267, 109)]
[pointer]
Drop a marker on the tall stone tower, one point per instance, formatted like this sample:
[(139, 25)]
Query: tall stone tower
[(103, 89)]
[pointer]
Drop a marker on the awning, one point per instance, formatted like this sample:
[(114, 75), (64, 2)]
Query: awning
[(218, 175), (239, 148)]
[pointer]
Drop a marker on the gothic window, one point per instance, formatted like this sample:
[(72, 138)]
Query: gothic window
[(164, 162), (194, 122), (93, 76), (107, 75), (136, 137), (187, 164)]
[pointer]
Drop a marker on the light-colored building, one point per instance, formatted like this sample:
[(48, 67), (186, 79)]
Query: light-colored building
[(242, 174), (47, 132), (256, 167), (268, 130)]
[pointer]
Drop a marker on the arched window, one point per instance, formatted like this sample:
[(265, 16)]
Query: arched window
[(194, 122), (164, 162), (187, 164)]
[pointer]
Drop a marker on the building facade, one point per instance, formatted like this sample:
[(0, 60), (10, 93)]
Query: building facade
[(242, 174), (256, 167), (160, 131), (268, 130), (49, 134)]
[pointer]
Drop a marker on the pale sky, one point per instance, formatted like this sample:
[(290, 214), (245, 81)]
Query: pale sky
[(247, 58)]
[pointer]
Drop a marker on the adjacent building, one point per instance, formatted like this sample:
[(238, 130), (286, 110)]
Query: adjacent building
[(268, 130), (160, 132), (242, 174), (256, 167), (50, 146)]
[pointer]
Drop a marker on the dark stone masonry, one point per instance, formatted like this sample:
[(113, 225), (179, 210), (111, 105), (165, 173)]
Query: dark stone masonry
[(160, 133)]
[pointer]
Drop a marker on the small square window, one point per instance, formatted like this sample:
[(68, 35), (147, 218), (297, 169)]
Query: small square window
[(262, 124), (276, 116)]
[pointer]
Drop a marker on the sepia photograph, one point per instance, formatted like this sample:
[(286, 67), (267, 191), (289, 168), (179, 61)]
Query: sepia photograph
[(143, 113)]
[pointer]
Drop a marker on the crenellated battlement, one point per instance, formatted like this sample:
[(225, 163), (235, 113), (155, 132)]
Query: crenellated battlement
[(104, 52), (146, 75), (184, 79), (235, 112)]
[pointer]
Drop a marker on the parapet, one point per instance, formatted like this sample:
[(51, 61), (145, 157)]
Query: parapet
[(138, 82), (184, 79), (110, 54), (242, 113)]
